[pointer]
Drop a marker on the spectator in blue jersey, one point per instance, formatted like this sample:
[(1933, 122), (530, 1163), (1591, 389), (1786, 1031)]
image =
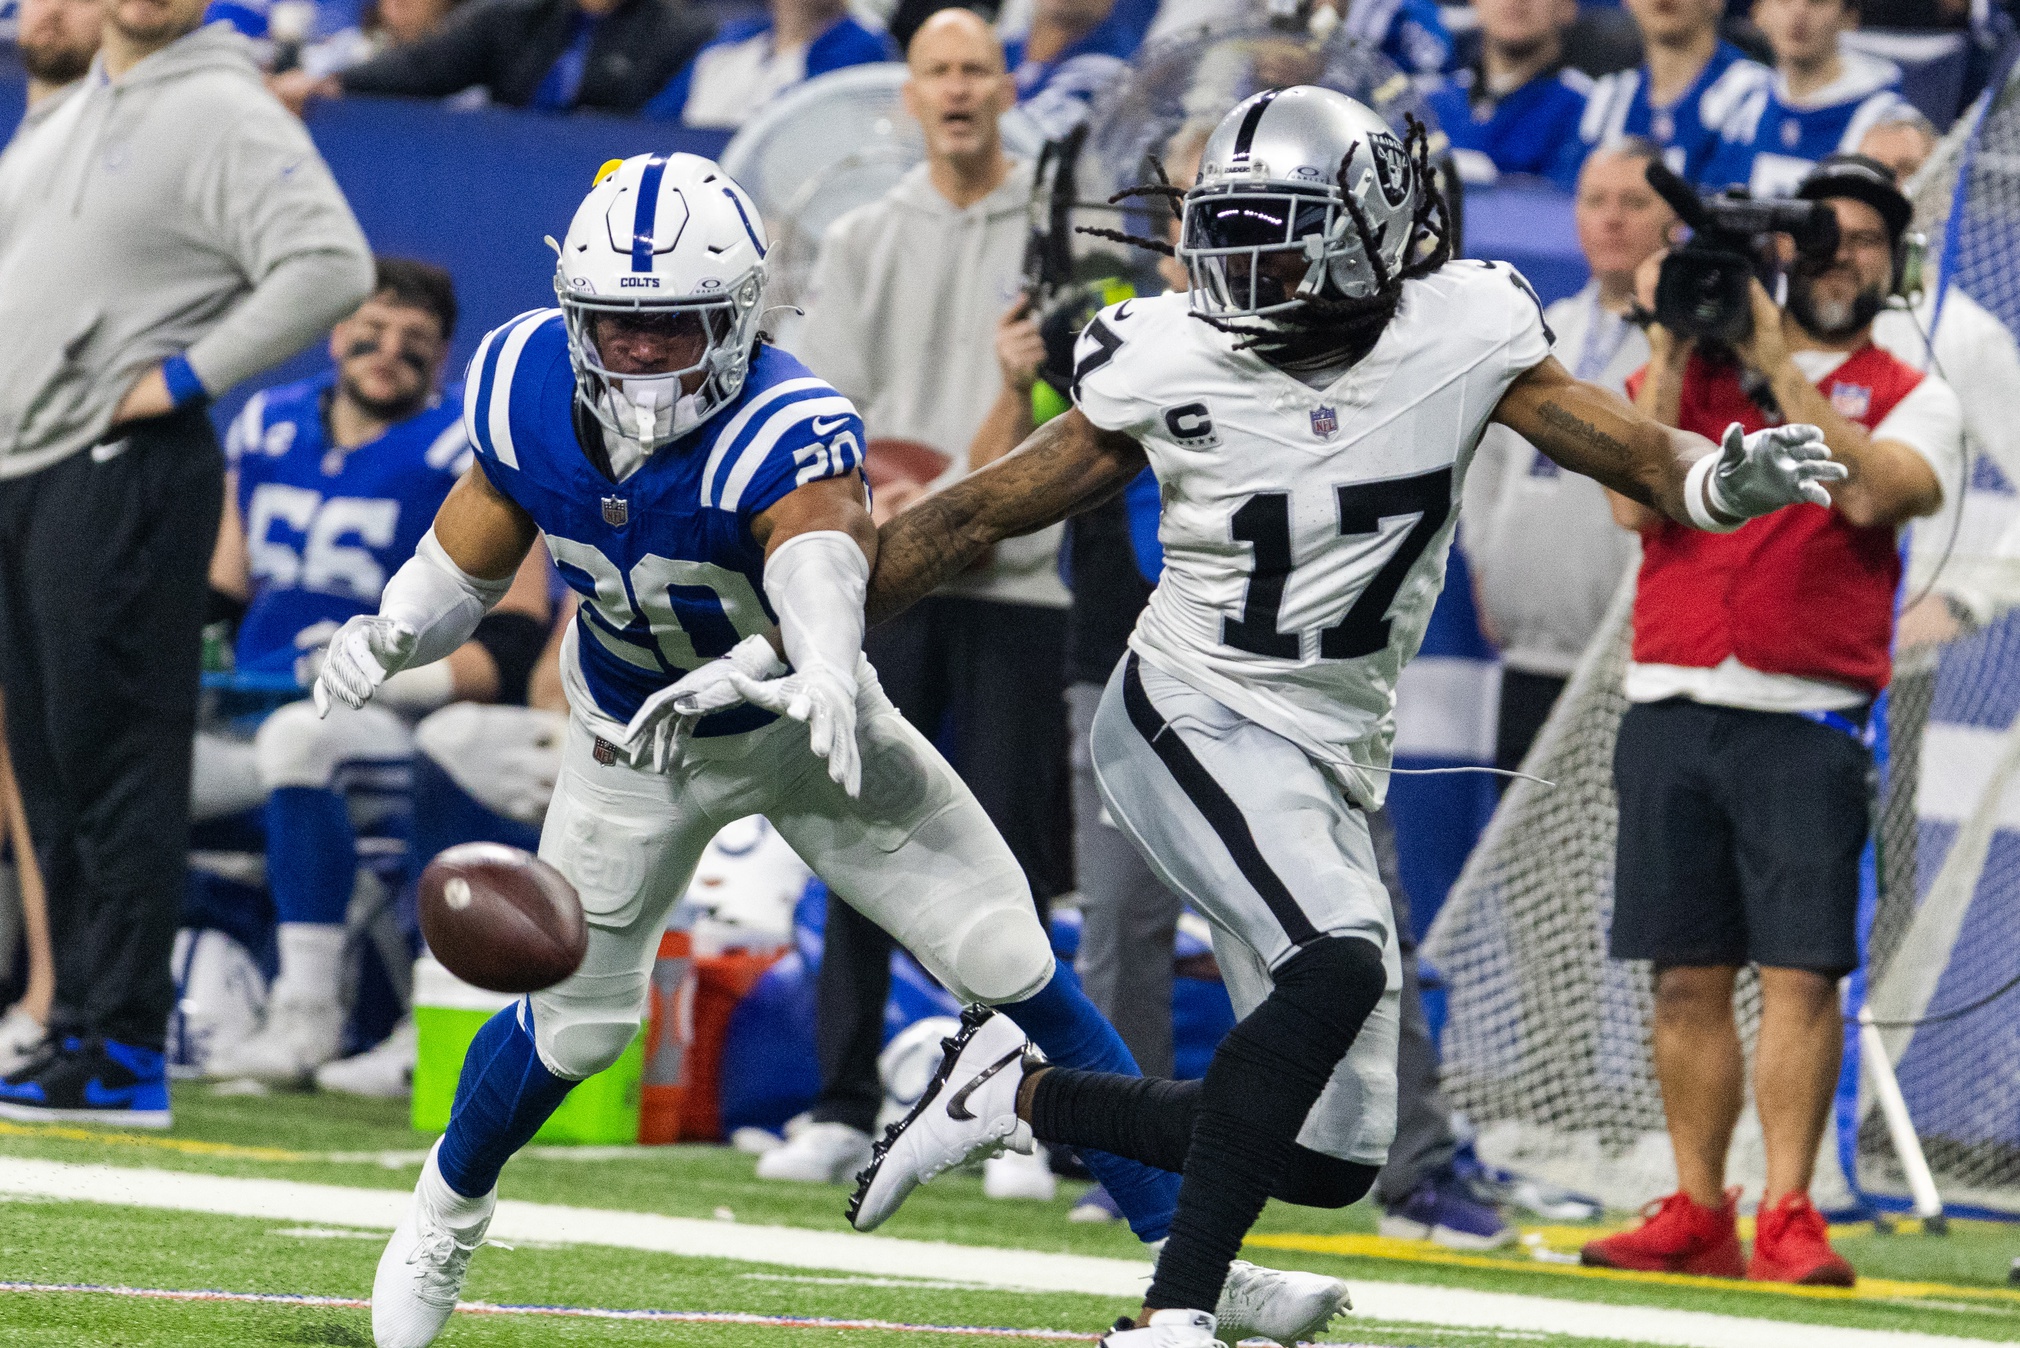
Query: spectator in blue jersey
[(554, 55), (1518, 109), (1690, 81), (1073, 50), (1823, 99), (332, 483), (753, 61)]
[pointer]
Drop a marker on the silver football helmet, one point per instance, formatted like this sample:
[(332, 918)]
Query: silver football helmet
[(1269, 198)]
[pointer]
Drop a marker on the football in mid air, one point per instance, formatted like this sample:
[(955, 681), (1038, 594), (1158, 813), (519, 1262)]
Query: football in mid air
[(501, 918)]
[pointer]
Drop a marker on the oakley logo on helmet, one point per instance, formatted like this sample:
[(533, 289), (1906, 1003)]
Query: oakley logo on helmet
[(1392, 167)]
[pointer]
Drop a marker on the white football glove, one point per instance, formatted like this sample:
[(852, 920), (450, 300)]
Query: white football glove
[(313, 643), (826, 701), (364, 652), (663, 720), (1753, 475)]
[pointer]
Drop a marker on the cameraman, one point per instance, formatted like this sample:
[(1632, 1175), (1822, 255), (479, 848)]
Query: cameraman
[(1742, 767)]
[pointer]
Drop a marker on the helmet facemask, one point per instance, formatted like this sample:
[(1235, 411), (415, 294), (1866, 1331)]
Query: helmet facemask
[(651, 409)]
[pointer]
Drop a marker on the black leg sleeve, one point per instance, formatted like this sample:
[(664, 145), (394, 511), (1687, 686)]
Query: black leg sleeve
[(1262, 1083)]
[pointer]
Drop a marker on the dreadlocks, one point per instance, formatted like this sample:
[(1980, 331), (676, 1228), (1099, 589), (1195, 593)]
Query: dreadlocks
[(1326, 331)]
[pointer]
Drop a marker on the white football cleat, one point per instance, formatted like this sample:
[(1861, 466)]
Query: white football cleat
[(383, 1072), (1168, 1329), (1288, 1306), (299, 1036), (817, 1153), (422, 1270), (1015, 1175), (968, 1109)]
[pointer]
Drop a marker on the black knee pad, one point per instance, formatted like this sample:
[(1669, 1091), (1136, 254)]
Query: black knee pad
[(1316, 1180)]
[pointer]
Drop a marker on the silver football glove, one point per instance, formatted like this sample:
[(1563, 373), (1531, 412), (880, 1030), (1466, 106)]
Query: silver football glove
[(654, 735), (1760, 473), (826, 701), (364, 652)]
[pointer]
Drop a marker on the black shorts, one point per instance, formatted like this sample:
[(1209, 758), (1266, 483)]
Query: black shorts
[(1740, 835)]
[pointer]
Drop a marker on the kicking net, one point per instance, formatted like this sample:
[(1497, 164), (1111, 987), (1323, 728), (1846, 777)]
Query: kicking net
[(1546, 1043)]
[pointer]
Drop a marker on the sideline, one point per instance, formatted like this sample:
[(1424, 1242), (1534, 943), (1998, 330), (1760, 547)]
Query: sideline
[(793, 1247)]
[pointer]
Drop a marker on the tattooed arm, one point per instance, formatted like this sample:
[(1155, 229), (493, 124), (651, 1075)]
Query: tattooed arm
[(1066, 466), (1595, 432)]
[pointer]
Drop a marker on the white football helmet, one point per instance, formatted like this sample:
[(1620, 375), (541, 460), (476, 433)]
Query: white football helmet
[(667, 237), (1269, 182)]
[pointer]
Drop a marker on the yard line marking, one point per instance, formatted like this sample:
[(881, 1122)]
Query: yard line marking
[(849, 1252), (570, 1312)]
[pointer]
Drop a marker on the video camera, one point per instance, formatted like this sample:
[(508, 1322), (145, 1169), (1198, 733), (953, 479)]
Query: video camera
[(1702, 289)]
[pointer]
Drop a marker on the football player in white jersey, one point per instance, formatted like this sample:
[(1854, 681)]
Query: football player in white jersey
[(1309, 411)]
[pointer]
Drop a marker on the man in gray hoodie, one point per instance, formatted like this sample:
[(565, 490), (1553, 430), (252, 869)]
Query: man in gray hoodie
[(166, 232)]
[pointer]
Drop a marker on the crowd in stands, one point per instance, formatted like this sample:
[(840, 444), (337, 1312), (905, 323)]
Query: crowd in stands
[(331, 481)]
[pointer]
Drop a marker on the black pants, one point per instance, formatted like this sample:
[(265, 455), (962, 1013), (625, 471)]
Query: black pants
[(992, 675), (1526, 700), (104, 559)]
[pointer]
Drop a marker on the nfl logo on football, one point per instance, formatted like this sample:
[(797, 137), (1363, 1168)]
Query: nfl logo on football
[(1325, 422), (616, 510)]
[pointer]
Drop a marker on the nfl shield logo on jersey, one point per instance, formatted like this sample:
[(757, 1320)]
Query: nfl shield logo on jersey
[(1851, 401), (1325, 422), (616, 510)]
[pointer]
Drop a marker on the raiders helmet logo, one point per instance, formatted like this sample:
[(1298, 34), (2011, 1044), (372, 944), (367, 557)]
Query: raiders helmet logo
[(616, 510), (1392, 167)]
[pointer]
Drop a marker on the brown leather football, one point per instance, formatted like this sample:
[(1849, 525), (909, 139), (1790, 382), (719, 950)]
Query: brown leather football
[(501, 918)]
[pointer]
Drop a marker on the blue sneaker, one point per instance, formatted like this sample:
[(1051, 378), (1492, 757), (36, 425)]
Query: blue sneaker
[(1537, 1197), (1446, 1212), (89, 1080)]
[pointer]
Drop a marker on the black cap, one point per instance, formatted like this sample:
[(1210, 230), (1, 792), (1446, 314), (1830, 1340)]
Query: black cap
[(1861, 179)]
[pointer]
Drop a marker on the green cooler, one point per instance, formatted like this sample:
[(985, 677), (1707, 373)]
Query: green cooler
[(447, 1015)]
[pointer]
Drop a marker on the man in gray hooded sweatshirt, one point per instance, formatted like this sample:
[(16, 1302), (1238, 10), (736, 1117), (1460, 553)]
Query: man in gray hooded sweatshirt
[(166, 232)]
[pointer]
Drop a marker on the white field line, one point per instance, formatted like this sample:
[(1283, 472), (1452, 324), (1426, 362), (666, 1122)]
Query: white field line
[(848, 1252)]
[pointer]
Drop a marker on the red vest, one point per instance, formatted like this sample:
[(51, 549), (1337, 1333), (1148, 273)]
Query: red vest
[(1798, 592)]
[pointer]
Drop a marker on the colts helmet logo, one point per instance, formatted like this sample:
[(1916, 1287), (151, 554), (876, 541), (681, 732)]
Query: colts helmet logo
[(1392, 167), (1325, 422), (616, 510)]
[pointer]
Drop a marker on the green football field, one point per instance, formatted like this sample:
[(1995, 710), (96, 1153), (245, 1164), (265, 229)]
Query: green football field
[(257, 1220)]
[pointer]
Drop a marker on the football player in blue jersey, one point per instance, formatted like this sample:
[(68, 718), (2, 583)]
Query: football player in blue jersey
[(1689, 83), (1822, 101), (703, 493), (332, 483)]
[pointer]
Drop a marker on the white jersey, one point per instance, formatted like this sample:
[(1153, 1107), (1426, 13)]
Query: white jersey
[(1305, 530)]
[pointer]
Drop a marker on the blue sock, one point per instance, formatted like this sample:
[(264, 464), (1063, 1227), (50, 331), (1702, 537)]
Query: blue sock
[(312, 854), (502, 1098), (1070, 1032)]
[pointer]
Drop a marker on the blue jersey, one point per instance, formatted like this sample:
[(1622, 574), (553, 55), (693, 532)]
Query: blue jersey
[(669, 573), (1532, 128), (1772, 140), (1687, 130), (325, 529)]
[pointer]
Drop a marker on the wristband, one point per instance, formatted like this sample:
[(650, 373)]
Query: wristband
[(1695, 487), (184, 387)]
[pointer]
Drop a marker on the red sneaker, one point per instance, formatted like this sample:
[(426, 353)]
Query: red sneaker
[(1791, 1244), (1679, 1236)]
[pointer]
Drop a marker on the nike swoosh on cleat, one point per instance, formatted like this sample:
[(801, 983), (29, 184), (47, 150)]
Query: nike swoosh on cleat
[(957, 1108), (99, 1097), (823, 427)]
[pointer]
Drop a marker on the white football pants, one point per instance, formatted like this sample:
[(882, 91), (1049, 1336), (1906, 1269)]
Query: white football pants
[(915, 854), (1260, 840), (295, 747)]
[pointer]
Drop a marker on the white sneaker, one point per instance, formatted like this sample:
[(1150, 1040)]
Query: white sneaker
[(298, 1037), (383, 1072), (817, 1153), (421, 1273), (20, 1035), (1015, 1175), (969, 1109), (1265, 1303), (1167, 1329)]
